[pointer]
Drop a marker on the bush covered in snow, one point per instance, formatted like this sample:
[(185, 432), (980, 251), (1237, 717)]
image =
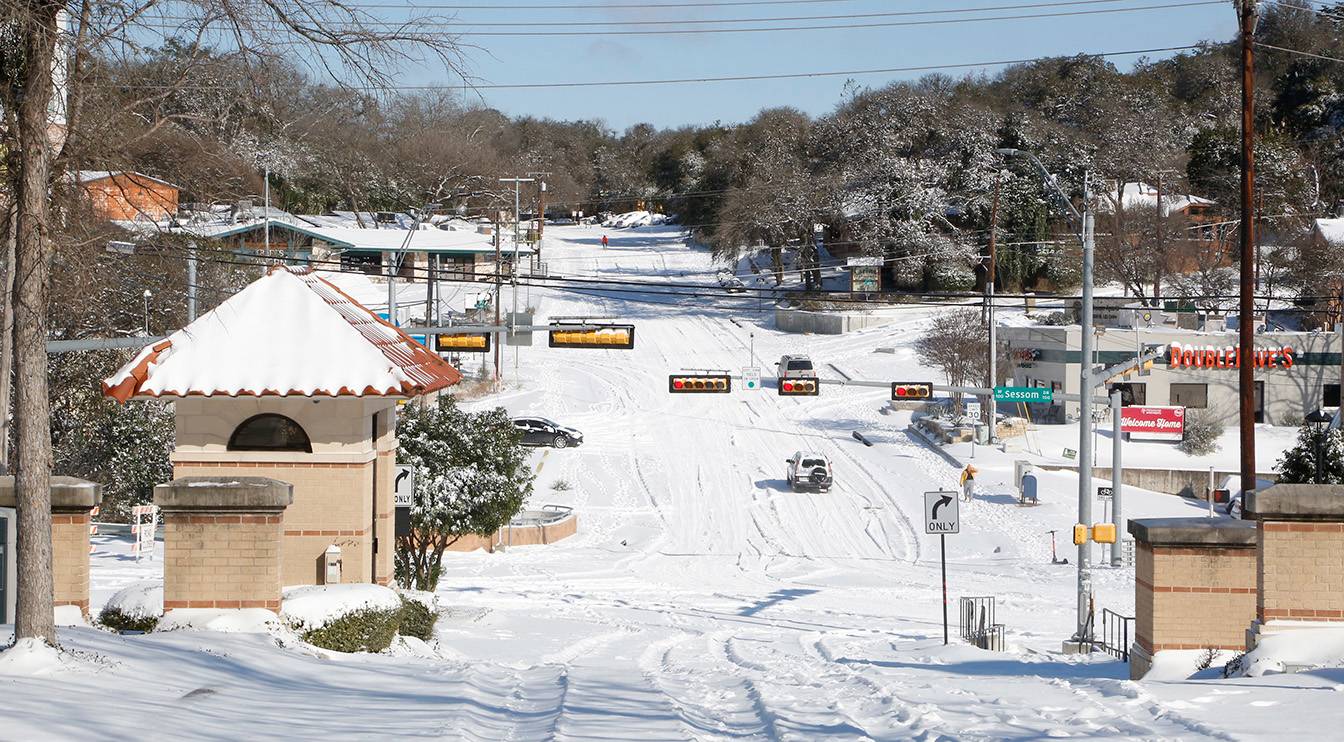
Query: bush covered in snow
[(471, 478), (344, 618), (136, 607), (418, 616), (1317, 457), (1202, 431)]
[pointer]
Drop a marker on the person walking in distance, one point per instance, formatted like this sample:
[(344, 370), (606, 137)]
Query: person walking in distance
[(968, 482), (604, 240)]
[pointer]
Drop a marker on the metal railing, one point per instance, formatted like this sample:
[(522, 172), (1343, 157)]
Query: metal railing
[(976, 623), (1115, 633)]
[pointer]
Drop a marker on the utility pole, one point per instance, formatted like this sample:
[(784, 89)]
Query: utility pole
[(989, 404), (1117, 479), (1246, 315), (1083, 636), (191, 281), (1161, 245), (498, 237), (513, 269)]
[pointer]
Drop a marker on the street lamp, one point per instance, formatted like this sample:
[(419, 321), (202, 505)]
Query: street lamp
[(1082, 637), (148, 294), (1319, 420)]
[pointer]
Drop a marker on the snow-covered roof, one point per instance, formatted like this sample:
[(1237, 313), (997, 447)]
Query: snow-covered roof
[(1331, 230), (289, 333), (1142, 194), (385, 239), (89, 176)]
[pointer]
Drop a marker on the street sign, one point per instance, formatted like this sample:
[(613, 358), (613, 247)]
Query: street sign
[(1028, 394), (1069, 453), (1105, 493), (751, 378), (403, 489), (941, 512)]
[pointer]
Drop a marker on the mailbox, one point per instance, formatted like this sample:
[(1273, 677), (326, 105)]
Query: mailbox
[(331, 573), (1029, 488)]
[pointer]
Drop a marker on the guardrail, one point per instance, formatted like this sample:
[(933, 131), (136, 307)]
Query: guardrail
[(1115, 632)]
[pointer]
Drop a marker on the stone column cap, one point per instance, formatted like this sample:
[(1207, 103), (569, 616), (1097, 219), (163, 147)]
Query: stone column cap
[(67, 494), (1218, 532), (235, 494), (1297, 502)]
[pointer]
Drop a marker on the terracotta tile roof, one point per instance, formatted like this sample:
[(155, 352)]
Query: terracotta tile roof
[(290, 333)]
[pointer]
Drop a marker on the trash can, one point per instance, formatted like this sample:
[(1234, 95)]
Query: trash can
[(981, 434)]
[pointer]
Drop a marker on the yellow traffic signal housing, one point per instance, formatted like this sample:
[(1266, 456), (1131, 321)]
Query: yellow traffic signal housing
[(1079, 534), (799, 387), (1103, 533), (475, 342), (618, 337), (907, 390), (699, 384)]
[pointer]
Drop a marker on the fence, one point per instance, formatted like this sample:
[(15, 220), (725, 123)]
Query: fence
[(1115, 632), (976, 623)]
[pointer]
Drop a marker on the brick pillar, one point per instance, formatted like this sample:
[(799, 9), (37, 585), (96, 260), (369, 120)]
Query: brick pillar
[(221, 541), (1194, 586), (72, 500), (1300, 565)]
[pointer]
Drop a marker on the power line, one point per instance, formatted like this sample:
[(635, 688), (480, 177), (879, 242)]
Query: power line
[(685, 80), (1299, 52), (450, 29)]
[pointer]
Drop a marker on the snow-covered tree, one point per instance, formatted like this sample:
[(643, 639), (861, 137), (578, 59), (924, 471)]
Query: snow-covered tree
[(1316, 458), (471, 477)]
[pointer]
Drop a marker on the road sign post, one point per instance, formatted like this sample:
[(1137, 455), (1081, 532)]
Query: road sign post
[(751, 378), (403, 490), (942, 516)]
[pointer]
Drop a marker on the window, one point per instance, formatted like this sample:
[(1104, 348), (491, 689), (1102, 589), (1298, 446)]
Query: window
[(269, 432), (1132, 394), (800, 365), (1193, 396), (1330, 395)]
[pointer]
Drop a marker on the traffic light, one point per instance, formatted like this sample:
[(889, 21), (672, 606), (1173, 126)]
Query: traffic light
[(619, 337), (905, 390), (1079, 534), (699, 383), (799, 387), (475, 342)]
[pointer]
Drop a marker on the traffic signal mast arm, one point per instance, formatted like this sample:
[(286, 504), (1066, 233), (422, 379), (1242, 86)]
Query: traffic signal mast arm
[(1101, 377)]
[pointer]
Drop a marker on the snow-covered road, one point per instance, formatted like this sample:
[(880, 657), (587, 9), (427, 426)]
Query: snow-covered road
[(701, 599)]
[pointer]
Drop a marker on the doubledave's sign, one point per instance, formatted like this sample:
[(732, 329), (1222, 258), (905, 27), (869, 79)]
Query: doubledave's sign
[(1228, 357)]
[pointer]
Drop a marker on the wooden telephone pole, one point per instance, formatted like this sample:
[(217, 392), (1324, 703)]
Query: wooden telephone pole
[(1246, 12)]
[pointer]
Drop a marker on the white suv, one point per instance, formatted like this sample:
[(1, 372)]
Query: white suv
[(808, 470)]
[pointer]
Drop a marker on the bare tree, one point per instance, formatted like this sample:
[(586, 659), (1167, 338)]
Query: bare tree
[(956, 342), (49, 62)]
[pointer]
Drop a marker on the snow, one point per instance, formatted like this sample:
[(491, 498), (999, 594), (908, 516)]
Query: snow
[(1331, 230), (635, 219), (314, 606), (288, 332), (1308, 647), (228, 621), (139, 600), (69, 615), (33, 658), (700, 598)]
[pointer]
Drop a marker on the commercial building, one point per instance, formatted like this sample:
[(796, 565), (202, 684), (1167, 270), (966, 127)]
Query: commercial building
[(1295, 372)]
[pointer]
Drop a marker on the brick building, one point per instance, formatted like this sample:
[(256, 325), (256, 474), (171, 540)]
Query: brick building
[(291, 380), (128, 196)]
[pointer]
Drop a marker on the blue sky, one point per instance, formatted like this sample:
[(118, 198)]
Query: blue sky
[(623, 57)]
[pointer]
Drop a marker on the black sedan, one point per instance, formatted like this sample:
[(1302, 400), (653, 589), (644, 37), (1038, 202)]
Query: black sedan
[(538, 431)]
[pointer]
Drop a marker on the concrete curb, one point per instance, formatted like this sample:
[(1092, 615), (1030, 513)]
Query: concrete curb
[(922, 437)]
